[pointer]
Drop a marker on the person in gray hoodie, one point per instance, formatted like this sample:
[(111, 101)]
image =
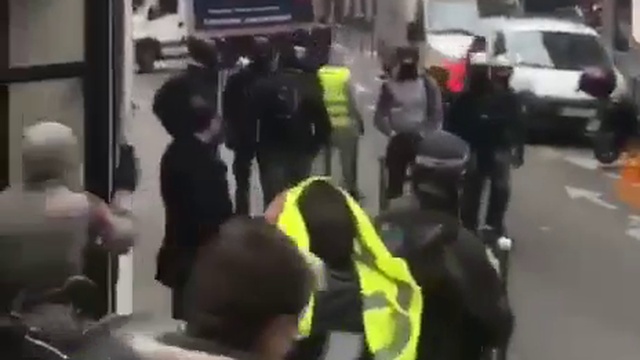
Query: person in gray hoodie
[(45, 227), (409, 104)]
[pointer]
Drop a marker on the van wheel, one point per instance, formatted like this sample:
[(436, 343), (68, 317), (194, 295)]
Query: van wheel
[(146, 56)]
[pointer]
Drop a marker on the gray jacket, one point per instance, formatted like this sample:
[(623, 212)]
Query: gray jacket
[(44, 229), (409, 106)]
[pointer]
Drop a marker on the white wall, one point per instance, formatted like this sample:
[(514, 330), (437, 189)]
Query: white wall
[(43, 32)]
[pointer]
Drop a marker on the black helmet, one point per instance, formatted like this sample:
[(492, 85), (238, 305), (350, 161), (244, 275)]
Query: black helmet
[(261, 48), (440, 163), (300, 37), (598, 82), (202, 51)]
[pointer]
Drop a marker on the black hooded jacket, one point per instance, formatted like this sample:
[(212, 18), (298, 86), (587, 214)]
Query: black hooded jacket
[(488, 120), (240, 127), (466, 308)]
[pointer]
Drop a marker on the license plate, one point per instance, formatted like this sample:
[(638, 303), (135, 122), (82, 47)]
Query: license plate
[(593, 125), (578, 112)]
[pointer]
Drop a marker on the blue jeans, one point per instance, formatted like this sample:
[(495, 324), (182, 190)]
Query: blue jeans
[(281, 170)]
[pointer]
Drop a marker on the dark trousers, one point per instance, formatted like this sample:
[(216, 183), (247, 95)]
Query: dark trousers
[(242, 174), (496, 168), (401, 151), (281, 170)]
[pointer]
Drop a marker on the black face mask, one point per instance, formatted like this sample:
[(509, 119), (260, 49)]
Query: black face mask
[(407, 72)]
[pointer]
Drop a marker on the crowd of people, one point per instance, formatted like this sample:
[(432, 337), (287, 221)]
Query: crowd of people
[(412, 283)]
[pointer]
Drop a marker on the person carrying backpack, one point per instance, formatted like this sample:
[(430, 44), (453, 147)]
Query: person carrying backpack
[(293, 125), (409, 104)]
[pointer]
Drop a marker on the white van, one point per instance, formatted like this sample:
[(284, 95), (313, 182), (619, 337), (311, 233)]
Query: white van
[(159, 32), (447, 27)]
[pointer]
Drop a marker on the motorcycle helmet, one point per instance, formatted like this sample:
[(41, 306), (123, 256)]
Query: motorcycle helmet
[(439, 166), (597, 81), (202, 51)]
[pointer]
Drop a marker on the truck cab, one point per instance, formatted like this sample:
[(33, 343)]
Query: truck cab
[(159, 31)]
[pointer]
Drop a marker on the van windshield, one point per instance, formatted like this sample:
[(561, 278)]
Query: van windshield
[(463, 16), (455, 17), (557, 50)]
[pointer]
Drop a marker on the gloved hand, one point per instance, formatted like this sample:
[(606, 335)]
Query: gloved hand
[(127, 173), (517, 159)]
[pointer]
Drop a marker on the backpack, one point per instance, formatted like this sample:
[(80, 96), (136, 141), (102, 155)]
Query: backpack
[(293, 127)]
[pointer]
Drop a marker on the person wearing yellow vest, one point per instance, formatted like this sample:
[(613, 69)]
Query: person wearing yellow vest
[(365, 296), (346, 122)]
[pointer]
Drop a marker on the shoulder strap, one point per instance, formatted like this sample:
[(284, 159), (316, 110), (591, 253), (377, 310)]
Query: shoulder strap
[(428, 89)]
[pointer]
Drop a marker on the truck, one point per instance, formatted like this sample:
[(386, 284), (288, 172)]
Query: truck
[(161, 27), (443, 30)]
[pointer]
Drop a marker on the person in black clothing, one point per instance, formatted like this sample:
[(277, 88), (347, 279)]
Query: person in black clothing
[(293, 125), (321, 39), (467, 311), (203, 72), (240, 127), (193, 182), (487, 116)]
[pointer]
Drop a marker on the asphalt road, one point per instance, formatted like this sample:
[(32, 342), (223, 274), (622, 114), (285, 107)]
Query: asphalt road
[(577, 256)]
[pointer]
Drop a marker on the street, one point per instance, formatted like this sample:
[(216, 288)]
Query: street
[(577, 248)]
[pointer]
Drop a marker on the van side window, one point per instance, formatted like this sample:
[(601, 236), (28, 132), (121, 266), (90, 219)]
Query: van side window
[(499, 44), (163, 8)]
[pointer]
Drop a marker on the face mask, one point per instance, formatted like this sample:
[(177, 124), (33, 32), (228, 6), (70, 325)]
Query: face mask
[(407, 72)]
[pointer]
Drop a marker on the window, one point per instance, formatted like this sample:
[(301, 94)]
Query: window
[(499, 44), (557, 50), (452, 17), (163, 8)]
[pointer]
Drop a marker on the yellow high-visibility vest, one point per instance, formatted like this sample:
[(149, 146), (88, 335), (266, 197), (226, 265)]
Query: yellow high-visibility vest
[(392, 300), (335, 80)]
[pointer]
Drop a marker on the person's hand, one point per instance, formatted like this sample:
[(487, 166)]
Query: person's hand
[(127, 173), (517, 159)]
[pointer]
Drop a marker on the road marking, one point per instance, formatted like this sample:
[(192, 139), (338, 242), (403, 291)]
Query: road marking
[(591, 196), (583, 162), (633, 228), (371, 107)]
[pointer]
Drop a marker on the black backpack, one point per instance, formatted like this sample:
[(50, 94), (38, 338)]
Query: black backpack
[(287, 111)]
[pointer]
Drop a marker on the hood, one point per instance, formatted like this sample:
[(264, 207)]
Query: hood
[(556, 83), (450, 45)]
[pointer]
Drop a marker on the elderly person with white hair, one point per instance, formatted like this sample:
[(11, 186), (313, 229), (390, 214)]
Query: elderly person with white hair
[(44, 228)]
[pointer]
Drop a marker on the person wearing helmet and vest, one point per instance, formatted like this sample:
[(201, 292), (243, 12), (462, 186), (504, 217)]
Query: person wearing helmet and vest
[(467, 310), (346, 121), (488, 116), (363, 289)]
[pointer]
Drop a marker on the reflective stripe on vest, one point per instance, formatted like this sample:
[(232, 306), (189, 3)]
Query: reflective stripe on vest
[(335, 80), (391, 297)]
